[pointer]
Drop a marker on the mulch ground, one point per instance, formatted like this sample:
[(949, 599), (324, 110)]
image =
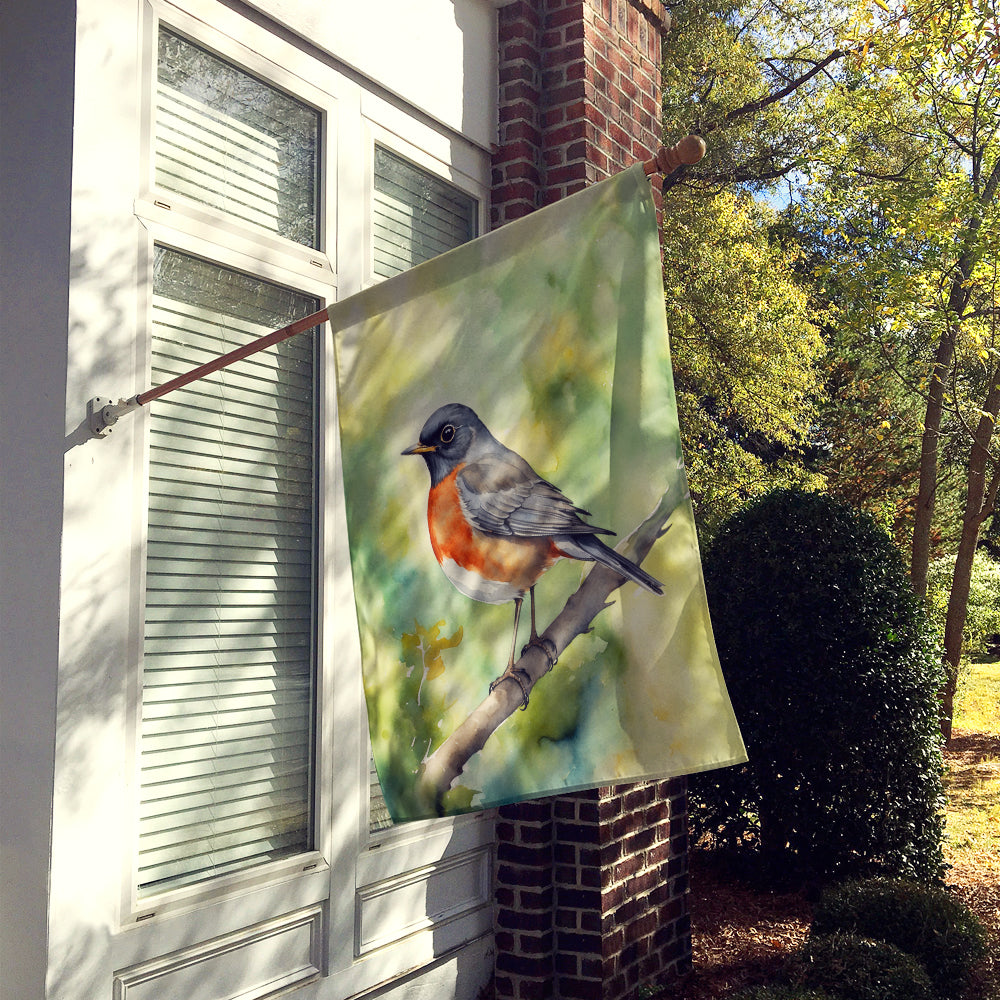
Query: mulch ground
[(742, 934)]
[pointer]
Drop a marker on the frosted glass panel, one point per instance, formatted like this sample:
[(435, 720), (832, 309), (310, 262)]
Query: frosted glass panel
[(416, 215), (231, 141)]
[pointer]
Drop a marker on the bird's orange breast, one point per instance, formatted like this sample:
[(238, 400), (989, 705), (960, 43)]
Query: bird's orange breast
[(516, 561)]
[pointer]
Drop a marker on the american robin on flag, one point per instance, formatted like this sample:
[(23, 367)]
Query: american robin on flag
[(496, 526)]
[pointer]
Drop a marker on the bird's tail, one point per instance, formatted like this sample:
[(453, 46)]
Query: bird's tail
[(590, 547)]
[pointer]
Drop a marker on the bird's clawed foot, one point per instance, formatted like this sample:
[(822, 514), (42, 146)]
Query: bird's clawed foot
[(520, 677), (547, 646)]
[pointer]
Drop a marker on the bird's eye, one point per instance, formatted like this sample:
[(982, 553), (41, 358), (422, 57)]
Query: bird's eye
[(447, 433)]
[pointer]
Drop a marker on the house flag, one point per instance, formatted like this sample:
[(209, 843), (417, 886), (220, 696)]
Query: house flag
[(502, 409)]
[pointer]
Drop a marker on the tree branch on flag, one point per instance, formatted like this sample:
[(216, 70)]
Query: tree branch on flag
[(445, 764)]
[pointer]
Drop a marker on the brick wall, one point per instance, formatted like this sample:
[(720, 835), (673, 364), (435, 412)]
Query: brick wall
[(591, 889), (591, 892), (579, 96)]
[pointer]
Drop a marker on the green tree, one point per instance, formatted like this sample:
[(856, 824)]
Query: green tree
[(869, 428), (880, 123), (747, 357), (747, 77), (982, 620), (747, 353), (867, 432), (911, 191)]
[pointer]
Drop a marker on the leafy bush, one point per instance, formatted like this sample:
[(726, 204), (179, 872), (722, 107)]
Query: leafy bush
[(782, 993), (833, 673), (983, 612), (925, 922), (856, 968)]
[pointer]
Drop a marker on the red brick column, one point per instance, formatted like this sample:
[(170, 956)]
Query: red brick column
[(591, 889), (517, 160), (579, 96), (591, 893)]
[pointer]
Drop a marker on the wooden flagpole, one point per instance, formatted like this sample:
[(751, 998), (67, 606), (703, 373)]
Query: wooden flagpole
[(260, 344), (102, 414)]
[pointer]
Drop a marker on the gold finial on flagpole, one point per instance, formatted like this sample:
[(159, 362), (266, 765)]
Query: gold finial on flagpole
[(668, 158)]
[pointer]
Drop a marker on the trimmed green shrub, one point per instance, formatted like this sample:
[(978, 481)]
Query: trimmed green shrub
[(925, 922), (833, 672), (782, 993), (856, 968)]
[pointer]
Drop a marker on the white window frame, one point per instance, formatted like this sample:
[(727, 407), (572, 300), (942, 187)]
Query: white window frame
[(274, 61), (351, 874), (393, 132), (387, 859), (180, 224), (196, 244)]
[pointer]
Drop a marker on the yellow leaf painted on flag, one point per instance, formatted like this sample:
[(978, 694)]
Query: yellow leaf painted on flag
[(426, 645)]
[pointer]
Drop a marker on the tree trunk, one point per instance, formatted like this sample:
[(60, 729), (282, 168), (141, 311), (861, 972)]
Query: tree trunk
[(958, 300), (979, 500), (920, 554)]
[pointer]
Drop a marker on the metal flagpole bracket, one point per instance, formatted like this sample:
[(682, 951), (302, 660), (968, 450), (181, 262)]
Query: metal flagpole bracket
[(103, 413)]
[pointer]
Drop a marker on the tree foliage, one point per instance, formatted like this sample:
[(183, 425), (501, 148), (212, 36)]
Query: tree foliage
[(745, 340), (982, 620), (911, 194), (746, 76), (878, 123), (746, 354)]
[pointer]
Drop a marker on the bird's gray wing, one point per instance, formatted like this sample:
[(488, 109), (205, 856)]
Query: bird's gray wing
[(505, 496)]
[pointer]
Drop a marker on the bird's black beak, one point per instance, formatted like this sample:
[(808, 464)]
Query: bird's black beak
[(419, 449)]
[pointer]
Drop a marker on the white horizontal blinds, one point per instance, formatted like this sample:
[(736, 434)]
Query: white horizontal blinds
[(416, 215), (226, 139), (378, 814), (228, 657)]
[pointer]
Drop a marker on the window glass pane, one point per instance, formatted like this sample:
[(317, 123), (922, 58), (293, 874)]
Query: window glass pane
[(416, 215), (228, 678), (228, 140)]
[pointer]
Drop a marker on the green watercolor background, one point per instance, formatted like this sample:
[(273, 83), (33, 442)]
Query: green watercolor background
[(553, 329)]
